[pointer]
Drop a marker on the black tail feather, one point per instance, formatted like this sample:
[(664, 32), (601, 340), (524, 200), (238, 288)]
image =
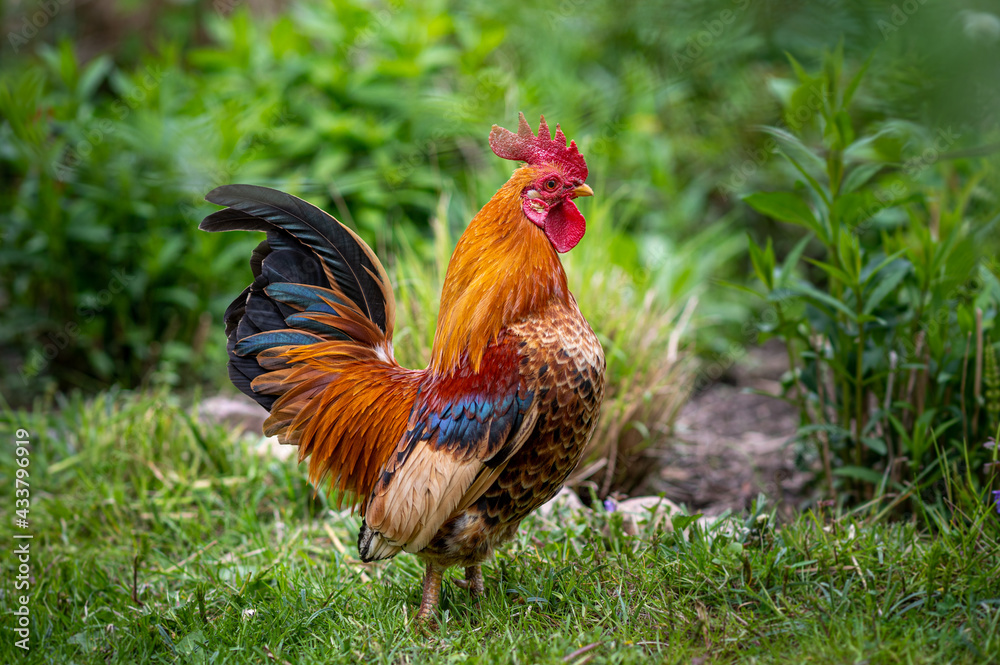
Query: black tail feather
[(304, 246), (254, 208)]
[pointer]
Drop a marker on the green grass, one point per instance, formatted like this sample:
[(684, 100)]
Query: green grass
[(159, 541)]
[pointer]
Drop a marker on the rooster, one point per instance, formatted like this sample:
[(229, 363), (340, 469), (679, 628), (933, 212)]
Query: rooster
[(445, 461)]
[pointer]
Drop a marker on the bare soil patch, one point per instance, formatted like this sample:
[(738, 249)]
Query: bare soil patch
[(729, 445)]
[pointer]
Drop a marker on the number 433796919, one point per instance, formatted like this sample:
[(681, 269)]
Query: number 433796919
[(22, 491)]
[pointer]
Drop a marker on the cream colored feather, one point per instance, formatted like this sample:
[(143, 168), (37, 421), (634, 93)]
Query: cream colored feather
[(430, 487)]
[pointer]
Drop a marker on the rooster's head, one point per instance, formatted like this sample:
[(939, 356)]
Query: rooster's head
[(557, 175)]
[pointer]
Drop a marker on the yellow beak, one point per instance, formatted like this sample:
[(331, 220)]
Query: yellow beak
[(583, 190)]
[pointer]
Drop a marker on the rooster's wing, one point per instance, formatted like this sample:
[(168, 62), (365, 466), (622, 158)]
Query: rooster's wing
[(462, 431)]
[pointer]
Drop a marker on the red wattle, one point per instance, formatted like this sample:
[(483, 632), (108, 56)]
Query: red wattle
[(564, 226)]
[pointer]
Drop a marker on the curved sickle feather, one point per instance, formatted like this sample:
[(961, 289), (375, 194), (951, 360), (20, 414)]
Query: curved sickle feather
[(350, 265), (315, 281)]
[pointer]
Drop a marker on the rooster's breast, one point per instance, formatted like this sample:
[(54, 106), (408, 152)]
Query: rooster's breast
[(563, 363)]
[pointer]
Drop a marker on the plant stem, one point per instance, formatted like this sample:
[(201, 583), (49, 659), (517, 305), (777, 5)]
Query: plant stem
[(859, 406), (977, 385), (965, 375), (887, 405), (793, 366), (824, 437)]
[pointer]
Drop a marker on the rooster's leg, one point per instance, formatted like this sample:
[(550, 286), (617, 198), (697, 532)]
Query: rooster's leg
[(432, 593), (473, 581)]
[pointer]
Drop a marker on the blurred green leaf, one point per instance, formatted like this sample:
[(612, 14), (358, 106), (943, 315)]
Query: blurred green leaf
[(785, 207)]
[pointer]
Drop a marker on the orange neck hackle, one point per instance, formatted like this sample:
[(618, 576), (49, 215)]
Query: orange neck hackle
[(503, 269)]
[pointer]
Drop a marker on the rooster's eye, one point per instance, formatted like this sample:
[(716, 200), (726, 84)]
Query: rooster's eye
[(550, 184)]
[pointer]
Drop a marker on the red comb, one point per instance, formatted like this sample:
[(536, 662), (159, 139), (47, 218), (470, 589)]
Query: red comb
[(527, 147)]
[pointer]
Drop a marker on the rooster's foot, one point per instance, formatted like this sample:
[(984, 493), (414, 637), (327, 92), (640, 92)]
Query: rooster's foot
[(427, 614), (473, 582)]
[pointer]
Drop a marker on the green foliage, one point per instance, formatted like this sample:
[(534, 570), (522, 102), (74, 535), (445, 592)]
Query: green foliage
[(372, 112), (103, 277), (888, 325), (160, 539)]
